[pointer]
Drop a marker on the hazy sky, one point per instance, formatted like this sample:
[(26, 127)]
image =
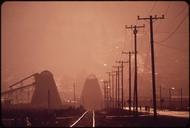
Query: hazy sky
[(74, 39)]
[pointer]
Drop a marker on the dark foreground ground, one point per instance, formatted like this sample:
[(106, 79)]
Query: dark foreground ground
[(66, 117), (143, 120), (40, 117)]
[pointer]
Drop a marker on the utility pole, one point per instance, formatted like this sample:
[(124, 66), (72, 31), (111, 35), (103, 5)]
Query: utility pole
[(105, 94), (151, 18), (135, 48), (129, 101), (122, 102), (118, 87), (113, 89), (118, 80), (115, 97), (109, 89)]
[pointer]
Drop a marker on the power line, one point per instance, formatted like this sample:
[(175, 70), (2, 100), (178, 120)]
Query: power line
[(166, 46), (122, 65), (134, 28), (152, 59), (169, 6), (165, 15), (182, 10), (172, 33), (146, 32)]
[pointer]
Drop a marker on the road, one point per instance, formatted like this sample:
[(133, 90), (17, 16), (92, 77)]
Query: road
[(87, 119), (184, 114)]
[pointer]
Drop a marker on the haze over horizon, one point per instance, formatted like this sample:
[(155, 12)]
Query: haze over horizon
[(75, 39)]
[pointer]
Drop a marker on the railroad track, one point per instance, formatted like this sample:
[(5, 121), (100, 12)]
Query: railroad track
[(87, 119)]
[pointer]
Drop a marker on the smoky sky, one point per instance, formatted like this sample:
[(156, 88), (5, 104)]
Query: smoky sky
[(74, 39)]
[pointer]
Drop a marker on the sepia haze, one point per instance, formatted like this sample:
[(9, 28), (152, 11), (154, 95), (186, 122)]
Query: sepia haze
[(75, 39)]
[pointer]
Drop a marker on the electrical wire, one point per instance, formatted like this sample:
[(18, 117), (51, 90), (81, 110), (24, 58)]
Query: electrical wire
[(172, 33), (166, 13), (166, 46), (146, 33), (182, 10)]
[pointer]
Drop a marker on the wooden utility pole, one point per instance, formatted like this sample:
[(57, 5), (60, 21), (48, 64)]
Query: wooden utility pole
[(129, 101), (109, 88), (106, 94), (122, 101), (118, 86), (115, 97), (151, 18), (134, 28), (112, 89)]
